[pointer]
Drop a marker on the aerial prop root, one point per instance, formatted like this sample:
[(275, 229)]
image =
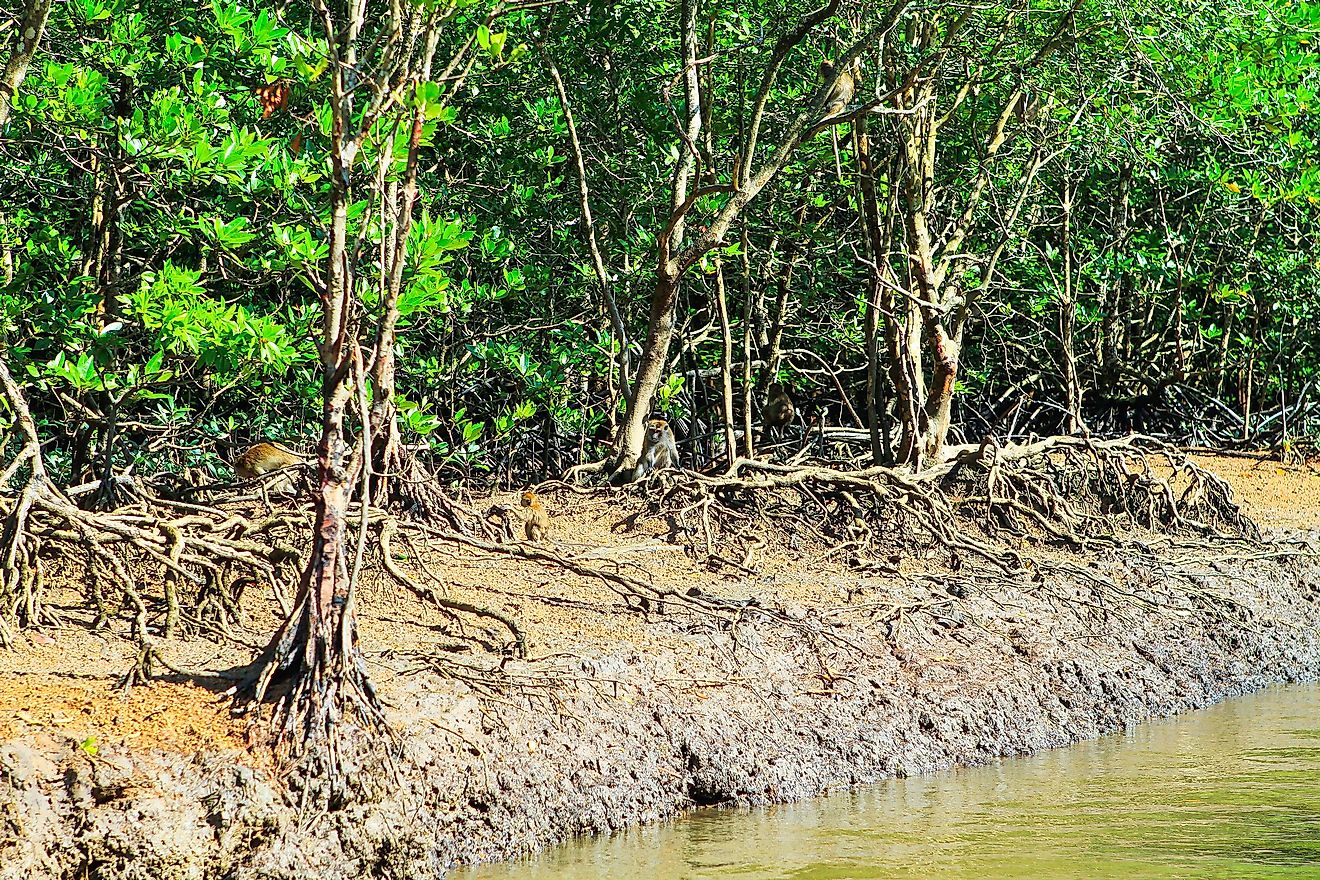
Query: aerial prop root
[(1072, 492), (422, 498), (636, 595), (1085, 487), (328, 722), (190, 549)]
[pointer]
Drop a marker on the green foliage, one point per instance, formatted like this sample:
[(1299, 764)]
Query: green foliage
[(167, 238), (224, 339)]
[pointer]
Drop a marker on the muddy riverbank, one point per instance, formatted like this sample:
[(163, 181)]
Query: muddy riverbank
[(1229, 791), (622, 717)]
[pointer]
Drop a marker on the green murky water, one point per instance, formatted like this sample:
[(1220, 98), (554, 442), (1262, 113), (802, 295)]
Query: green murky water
[(1228, 792)]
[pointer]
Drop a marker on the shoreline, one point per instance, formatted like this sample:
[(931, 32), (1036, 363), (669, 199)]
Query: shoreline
[(927, 673)]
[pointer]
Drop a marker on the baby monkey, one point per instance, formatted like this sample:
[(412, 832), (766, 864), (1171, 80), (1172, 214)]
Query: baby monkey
[(262, 458), (658, 450), (537, 523)]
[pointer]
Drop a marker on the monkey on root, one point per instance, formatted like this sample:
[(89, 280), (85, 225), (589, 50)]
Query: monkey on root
[(658, 450), (778, 412), (263, 458)]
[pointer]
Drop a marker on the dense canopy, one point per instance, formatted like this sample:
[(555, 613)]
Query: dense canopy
[(1038, 216)]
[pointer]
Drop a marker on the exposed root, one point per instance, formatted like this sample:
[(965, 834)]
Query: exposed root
[(187, 548), (388, 530), (182, 546), (1076, 489), (1070, 492), (590, 469), (328, 721), (637, 595), (641, 597), (422, 498)]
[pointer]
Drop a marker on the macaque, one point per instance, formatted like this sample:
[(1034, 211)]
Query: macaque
[(262, 458), (658, 450), (1026, 108), (842, 92), (537, 523), (778, 412)]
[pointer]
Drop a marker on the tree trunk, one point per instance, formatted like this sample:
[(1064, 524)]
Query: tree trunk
[(783, 286), (879, 251), (871, 330), (26, 38), (655, 354), (938, 411), (325, 720), (1115, 297), (903, 347), (748, 297), (102, 260), (673, 258), (660, 327), (386, 455), (597, 261), (331, 698), (726, 365), (925, 412), (1068, 319)]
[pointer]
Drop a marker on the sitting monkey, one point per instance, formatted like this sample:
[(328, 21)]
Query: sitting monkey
[(537, 523), (778, 413), (658, 450)]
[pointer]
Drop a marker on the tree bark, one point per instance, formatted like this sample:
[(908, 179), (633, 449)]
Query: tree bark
[(673, 256), (726, 365), (783, 287), (878, 243), (30, 30), (660, 326), (385, 459), (331, 699), (748, 297), (1068, 316), (655, 353), (1114, 297)]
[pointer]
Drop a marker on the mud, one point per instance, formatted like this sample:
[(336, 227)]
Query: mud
[(620, 719)]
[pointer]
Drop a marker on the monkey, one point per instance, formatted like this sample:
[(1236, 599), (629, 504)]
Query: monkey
[(658, 451), (841, 94), (262, 458), (1026, 108), (779, 411), (537, 523)]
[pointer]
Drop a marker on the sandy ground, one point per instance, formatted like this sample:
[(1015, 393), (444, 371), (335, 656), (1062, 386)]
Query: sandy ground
[(1275, 494), (618, 716)]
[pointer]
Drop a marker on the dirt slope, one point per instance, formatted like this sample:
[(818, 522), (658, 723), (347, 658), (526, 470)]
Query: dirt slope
[(620, 716)]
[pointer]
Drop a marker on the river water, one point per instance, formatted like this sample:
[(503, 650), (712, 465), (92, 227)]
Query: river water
[(1227, 792)]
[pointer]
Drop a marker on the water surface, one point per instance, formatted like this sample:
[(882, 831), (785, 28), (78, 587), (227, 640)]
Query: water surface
[(1227, 792)]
